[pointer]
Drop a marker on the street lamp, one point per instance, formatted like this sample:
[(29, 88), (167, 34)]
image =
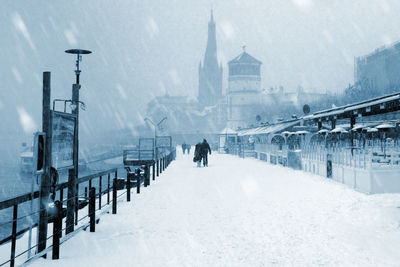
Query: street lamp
[(75, 110), (78, 53), (155, 131), (155, 125)]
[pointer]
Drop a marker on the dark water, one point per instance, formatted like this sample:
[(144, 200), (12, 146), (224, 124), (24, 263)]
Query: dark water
[(13, 183)]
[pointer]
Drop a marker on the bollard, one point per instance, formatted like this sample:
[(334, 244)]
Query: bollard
[(154, 171), (92, 208), (160, 165), (114, 196), (57, 228), (138, 181), (128, 186)]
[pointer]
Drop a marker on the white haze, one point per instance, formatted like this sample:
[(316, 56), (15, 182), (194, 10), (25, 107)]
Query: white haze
[(146, 48)]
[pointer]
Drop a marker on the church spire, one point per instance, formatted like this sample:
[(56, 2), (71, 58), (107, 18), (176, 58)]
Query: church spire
[(210, 73), (210, 58)]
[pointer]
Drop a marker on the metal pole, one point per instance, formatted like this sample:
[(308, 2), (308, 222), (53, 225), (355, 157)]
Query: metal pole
[(71, 201), (75, 155)]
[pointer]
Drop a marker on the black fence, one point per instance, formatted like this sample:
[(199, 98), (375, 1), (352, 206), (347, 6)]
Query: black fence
[(89, 191)]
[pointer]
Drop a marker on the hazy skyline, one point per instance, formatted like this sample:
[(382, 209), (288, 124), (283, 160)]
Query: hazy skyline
[(144, 49)]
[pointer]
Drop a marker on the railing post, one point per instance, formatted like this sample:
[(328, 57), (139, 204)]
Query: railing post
[(14, 234), (76, 200), (114, 196), (100, 192), (164, 163), (71, 201), (108, 189), (154, 171), (57, 228), (148, 175), (146, 169), (138, 180), (158, 167), (92, 208), (128, 186)]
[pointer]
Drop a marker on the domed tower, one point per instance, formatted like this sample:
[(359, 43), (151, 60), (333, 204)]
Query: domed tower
[(244, 90)]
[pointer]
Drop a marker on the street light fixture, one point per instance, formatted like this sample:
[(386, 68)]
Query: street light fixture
[(155, 131), (78, 53), (75, 102)]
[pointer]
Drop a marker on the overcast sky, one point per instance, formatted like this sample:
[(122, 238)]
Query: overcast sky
[(145, 48)]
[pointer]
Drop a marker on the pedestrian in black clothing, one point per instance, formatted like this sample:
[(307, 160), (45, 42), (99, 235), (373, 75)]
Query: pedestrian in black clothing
[(197, 154), (183, 148), (205, 149)]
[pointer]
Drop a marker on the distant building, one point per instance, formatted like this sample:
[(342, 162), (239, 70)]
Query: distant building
[(210, 72), (379, 71), (244, 90)]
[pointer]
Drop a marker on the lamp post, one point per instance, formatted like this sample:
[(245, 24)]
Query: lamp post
[(155, 131), (75, 110)]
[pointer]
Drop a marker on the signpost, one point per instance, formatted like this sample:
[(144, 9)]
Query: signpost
[(63, 127)]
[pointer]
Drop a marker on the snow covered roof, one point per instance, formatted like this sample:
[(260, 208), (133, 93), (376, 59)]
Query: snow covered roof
[(270, 129), (355, 107), (244, 58), (228, 130)]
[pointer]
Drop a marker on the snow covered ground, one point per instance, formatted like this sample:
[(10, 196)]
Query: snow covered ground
[(241, 212)]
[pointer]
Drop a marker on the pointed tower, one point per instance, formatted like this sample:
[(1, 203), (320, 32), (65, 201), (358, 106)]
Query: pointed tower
[(210, 73)]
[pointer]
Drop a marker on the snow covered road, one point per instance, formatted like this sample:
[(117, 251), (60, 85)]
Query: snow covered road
[(241, 212)]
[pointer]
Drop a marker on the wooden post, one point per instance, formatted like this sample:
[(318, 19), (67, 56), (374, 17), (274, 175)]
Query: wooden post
[(45, 181), (128, 186), (108, 189), (114, 196), (154, 171), (92, 208), (71, 201), (57, 228), (138, 181), (100, 193), (14, 234)]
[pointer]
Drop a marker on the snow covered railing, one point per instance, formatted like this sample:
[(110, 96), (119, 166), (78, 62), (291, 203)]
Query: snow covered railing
[(103, 188), (56, 211)]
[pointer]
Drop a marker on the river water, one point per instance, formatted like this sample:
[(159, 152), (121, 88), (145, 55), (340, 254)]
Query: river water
[(14, 183)]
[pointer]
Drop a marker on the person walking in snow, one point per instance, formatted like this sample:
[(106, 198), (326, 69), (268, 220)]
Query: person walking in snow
[(183, 148), (205, 149), (197, 154)]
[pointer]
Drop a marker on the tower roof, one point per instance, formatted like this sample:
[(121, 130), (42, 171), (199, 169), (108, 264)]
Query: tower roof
[(244, 58)]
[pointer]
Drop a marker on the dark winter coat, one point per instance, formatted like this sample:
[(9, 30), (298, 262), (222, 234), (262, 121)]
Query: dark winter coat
[(205, 148), (197, 152)]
